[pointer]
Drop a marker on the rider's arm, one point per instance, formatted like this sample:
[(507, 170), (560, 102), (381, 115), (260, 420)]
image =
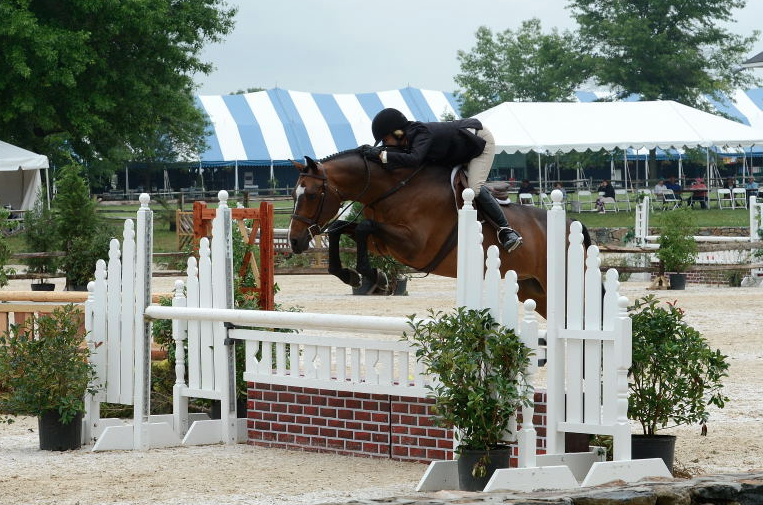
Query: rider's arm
[(417, 153)]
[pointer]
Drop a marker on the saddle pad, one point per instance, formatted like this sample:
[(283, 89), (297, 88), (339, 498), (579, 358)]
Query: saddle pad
[(458, 183)]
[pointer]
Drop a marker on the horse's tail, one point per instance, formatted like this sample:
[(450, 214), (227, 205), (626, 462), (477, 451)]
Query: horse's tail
[(586, 236)]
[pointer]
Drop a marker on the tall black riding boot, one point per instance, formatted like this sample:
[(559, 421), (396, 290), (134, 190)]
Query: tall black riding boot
[(508, 238)]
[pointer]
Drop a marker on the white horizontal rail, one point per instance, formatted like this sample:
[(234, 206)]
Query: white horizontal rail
[(705, 238), (289, 320), (319, 340)]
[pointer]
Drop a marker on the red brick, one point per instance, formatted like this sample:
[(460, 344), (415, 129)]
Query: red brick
[(270, 396), (344, 414), (262, 406), (262, 385), (367, 447), (295, 409), (378, 398), (328, 412), (395, 439), (268, 435), (400, 407), (310, 391), (302, 399), (301, 440), (540, 431), (310, 430), (318, 441), (255, 395), (417, 452), (406, 440), (445, 444), (394, 418), (328, 392), (346, 434), (295, 428), (270, 416), (409, 420), (250, 385), (253, 414), (381, 438), (286, 397), (277, 427), (262, 426), (513, 462), (279, 387), (398, 428), (369, 406), (436, 432), (419, 432), (319, 421), (354, 404), (427, 442), (278, 407), (379, 418), (249, 424), (335, 443), (346, 394), (310, 411), (352, 425), (285, 418), (295, 389), (328, 432), (319, 400), (540, 408), (400, 450), (394, 398), (362, 396), (425, 421), (353, 446), (286, 438), (336, 423), (371, 427), (418, 409), (336, 402), (435, 454), (362, 416), (302, 419), (362, 435)]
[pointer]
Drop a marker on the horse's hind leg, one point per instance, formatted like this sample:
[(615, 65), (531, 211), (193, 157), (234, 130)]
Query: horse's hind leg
[(362, 232), (531, 288), (347, 275)]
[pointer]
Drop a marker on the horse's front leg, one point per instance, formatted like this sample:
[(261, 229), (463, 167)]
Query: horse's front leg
[(362, 231), (347, 275)]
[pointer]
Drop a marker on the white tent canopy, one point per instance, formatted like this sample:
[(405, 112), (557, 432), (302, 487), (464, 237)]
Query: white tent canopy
[(19, 176), (554, 127)]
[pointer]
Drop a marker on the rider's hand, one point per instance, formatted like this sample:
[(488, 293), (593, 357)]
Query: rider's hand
[(372, 153)]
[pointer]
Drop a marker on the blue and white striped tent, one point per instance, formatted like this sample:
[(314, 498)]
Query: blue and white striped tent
[(277, 125)]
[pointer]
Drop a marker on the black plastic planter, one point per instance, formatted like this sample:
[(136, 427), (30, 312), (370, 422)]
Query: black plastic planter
[(56, 436), (368, 288), (43, 286), (654, 446), (677, 281), (498, 458)]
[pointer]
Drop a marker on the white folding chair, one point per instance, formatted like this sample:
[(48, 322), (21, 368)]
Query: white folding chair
[(670, 200), (526, 199), (724, 199), (586, 201), (546, 202), (622, 198), (739, 197)]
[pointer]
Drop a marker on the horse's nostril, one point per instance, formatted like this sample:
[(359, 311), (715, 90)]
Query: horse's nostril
[(295, 245)]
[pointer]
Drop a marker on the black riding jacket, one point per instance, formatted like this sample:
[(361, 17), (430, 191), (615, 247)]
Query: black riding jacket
[(449, 143)]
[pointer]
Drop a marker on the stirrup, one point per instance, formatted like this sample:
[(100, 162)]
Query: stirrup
[(511, 243)]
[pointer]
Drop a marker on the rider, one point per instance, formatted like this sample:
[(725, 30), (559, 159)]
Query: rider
[(450, 143)]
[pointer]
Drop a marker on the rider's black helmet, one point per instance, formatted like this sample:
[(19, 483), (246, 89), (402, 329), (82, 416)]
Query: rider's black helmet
[(386, 122)]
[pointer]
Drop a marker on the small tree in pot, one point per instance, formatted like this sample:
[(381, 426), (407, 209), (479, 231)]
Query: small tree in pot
[(40, 237), (675, 375), (678, 249), (46, 373), (480, 369), (5, 249)]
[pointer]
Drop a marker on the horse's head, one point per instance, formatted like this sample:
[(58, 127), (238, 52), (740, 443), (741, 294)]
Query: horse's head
[(314, 205)]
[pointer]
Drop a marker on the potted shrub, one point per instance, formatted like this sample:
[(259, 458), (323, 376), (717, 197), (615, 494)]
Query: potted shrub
[(46, 373), (82, 234), (675, 376), (480, 366), (40, 237), (678, 250)]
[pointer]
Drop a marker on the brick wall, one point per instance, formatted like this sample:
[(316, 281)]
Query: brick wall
[(711, 277), (355, 424)]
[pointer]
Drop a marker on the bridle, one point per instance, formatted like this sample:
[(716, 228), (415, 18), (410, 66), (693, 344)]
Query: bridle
[(313, 226)]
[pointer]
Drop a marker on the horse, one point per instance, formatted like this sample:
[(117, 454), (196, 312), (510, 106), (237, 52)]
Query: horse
[(411, 214)]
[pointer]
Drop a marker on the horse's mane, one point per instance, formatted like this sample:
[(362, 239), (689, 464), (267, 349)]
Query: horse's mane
[(340, 154)]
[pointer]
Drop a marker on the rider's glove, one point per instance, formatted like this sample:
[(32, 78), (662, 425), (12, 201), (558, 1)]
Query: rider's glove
[(371, 153)]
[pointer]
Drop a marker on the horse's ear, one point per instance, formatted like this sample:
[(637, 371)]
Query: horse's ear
[(299, 166), (311, 164)]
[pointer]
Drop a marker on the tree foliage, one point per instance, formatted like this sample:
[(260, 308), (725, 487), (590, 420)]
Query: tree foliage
[(522, 65), (104, 79), (664, 49)]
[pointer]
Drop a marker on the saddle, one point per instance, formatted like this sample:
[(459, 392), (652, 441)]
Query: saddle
[(458, 180)]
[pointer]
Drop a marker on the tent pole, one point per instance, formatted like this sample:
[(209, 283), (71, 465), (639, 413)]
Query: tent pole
[(127, 181), (707, 167), (681, 170), (47, 184), (540, 177), (235, 179)]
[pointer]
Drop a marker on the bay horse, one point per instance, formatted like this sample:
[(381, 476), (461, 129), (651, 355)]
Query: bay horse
[(411, 215)]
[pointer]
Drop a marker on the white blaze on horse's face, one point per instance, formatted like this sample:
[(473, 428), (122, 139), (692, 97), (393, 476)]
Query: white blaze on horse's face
[(298, 192)]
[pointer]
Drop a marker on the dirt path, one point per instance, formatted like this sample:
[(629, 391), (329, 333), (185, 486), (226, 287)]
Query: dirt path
[(731, 319)]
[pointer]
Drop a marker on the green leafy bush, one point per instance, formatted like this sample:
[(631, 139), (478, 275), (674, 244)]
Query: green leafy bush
[(5, 250), (678, 249), (45, 367), (38, 236), (675, 375), (481, 368)]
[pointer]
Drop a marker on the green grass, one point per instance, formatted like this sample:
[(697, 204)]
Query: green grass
[(705, 218)]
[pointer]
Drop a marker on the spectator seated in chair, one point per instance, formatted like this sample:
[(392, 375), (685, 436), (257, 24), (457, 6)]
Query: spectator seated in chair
[(608, 195), (751, 187), (675, 187), (659, 189), (526, 187), (698, 196)]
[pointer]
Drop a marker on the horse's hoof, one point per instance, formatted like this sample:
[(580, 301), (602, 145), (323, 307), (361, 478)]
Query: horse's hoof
[(353, 278), (382, 283)]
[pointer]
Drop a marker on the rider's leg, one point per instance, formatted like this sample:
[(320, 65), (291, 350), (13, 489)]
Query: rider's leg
[(476, 174)]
